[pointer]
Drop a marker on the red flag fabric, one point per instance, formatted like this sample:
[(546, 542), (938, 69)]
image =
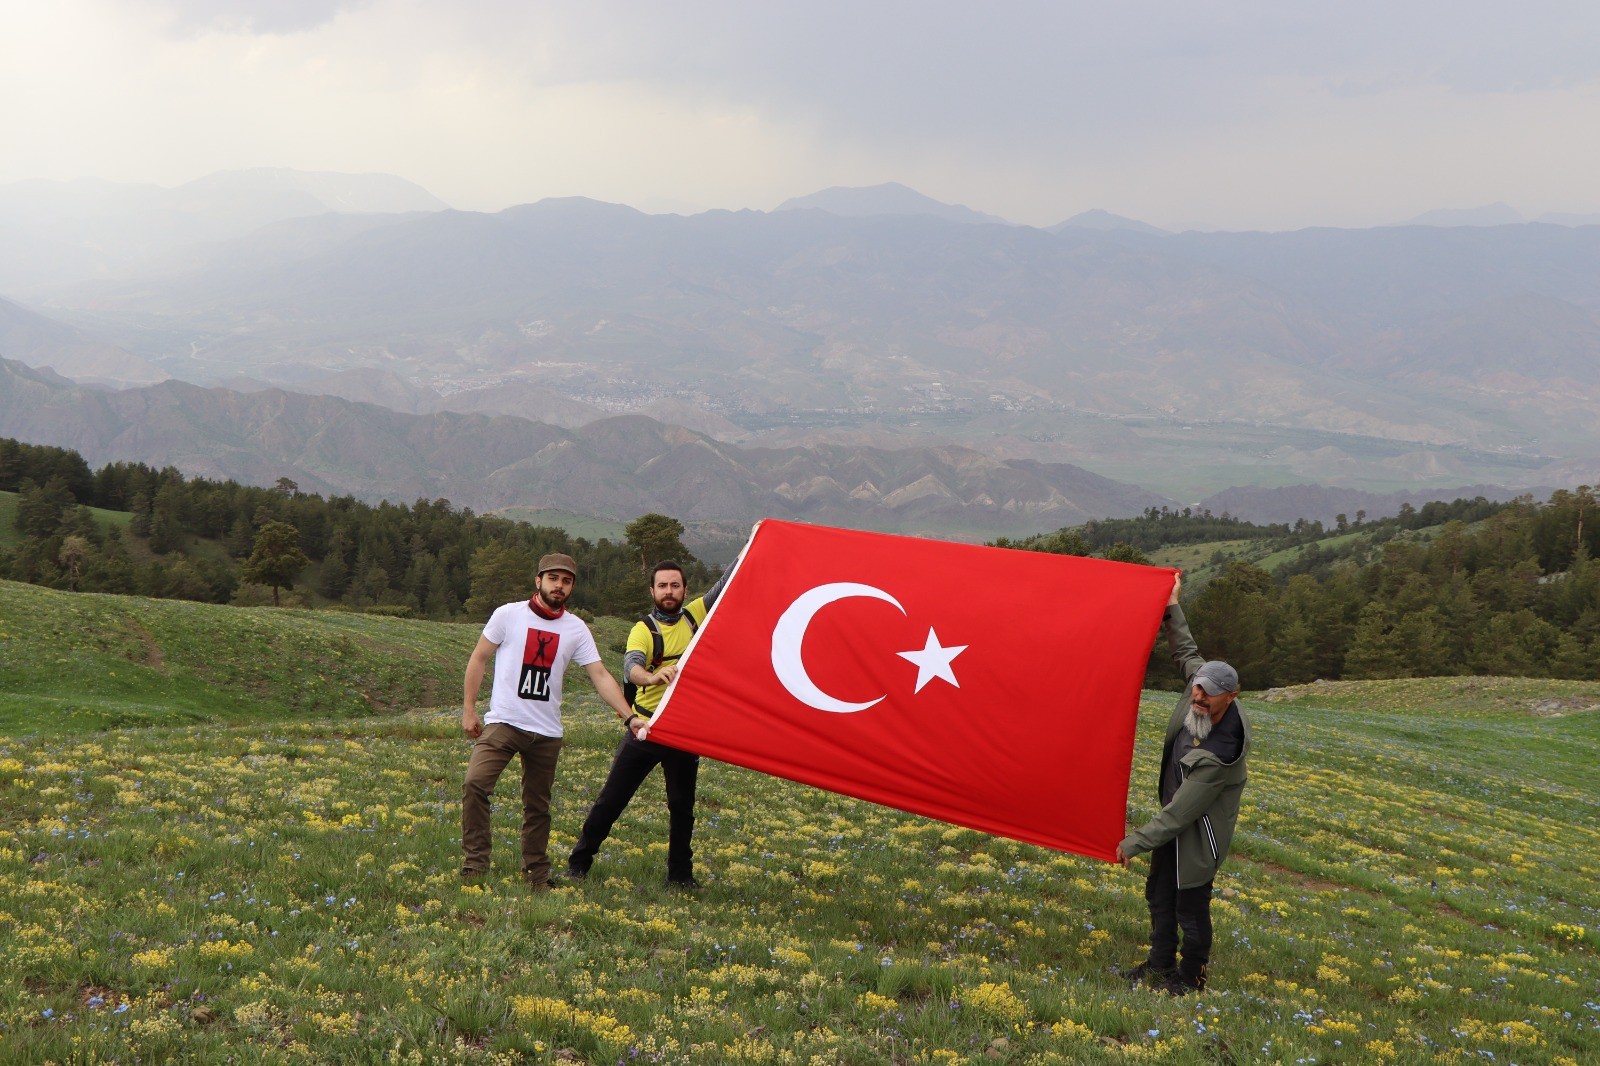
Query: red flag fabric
[(988, 687)]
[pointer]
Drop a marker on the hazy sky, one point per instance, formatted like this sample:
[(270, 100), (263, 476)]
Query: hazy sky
[(1222, 114)]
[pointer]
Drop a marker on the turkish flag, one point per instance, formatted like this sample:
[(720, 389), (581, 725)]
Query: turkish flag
[(988, 687)]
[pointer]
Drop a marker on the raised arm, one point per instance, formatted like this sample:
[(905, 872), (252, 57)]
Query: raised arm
[(1185, 653)]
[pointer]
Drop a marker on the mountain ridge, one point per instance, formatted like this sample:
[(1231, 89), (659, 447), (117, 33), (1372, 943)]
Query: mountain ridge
[(617, 467), (1470, 353)]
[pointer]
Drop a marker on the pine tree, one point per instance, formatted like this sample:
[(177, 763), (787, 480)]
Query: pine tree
[(241, 538), (276, 558), (1230, 620), (166, 520), (334, 578), (499, 575), (1372, 651), (440, 601), (656, 537)]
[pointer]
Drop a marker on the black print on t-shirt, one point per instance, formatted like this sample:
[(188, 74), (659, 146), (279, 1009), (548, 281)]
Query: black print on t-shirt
[(538, 656)]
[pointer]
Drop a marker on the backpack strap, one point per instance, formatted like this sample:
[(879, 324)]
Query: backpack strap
[(658, 652), (658, 643)]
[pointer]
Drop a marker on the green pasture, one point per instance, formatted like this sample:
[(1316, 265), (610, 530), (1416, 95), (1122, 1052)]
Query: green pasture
[(71, 663), (268, 874), (1195, 560), (10, 537)]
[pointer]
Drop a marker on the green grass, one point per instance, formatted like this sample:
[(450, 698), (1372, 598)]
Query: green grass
[(83, 662), (1413, 883), (10, 537)]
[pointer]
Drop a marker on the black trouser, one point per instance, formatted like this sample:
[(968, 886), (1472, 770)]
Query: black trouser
[(629, 767), (1172, 908)]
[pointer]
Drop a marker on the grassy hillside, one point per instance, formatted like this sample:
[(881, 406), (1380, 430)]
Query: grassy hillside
[(70, 663), (1200, 562), (10, 537), (254, 867), (84, 662)]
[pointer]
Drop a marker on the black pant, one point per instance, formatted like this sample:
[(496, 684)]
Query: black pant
[(1172, 908), (629, 767)]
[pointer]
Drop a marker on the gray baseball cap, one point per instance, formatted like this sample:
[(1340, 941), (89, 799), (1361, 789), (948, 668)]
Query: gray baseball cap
[(1217, 677)]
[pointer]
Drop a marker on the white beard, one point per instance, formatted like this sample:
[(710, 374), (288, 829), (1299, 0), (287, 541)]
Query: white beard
[(1198, 724)]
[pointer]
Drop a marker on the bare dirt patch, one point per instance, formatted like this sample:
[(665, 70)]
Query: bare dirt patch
[(152, 651), (1560, 707)]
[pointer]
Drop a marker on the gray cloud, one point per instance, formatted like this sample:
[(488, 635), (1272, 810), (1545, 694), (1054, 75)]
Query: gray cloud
[(1234, 112), (254, 17), (922, 66)]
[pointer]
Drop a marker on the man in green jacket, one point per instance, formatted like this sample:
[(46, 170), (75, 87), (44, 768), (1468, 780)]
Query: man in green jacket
[(1202, 777)]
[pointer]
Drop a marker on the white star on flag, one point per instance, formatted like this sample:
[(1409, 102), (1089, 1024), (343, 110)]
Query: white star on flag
[(933, 661)]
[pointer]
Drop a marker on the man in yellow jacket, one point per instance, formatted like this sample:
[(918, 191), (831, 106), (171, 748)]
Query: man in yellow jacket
[(654, 647)]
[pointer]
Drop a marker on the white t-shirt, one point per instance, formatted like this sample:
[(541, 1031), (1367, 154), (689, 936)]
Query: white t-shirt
[(531, 663)]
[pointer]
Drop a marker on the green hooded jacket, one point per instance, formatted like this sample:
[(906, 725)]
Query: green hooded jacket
[(1205, 809)]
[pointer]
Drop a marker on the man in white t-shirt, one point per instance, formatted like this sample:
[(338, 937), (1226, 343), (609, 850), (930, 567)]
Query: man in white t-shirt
[(531, 642)]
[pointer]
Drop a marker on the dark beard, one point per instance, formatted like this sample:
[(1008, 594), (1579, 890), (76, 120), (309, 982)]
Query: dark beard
[(1198, 724)]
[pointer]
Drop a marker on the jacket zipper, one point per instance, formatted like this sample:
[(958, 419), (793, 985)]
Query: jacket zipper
[(1177, 857), (1205, 820)]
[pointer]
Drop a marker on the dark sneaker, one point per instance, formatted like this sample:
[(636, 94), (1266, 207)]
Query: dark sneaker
[(1147, 974), (575, 874), (1181, 984), (684, 884)]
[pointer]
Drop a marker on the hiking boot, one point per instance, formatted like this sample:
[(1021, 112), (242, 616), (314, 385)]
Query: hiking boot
[(474, 877), (1146, 973), (575, 873), (684, 884)]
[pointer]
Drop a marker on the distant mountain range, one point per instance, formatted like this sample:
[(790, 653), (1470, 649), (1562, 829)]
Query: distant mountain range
[(1483, 337), (891, 198), (1097, 219), (1496, 214), (37, 340), (617, 467), (57, 232), (1410, 358)]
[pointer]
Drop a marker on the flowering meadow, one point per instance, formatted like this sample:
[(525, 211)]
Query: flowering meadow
[(213, 860)]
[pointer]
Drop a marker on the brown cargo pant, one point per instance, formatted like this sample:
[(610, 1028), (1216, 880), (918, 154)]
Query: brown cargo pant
[(490, 753)]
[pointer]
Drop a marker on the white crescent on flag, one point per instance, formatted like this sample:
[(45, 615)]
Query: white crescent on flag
[(790, 633), (932, 660)]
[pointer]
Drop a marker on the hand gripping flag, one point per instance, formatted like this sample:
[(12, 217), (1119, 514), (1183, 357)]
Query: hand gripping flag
[(988, 687)]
